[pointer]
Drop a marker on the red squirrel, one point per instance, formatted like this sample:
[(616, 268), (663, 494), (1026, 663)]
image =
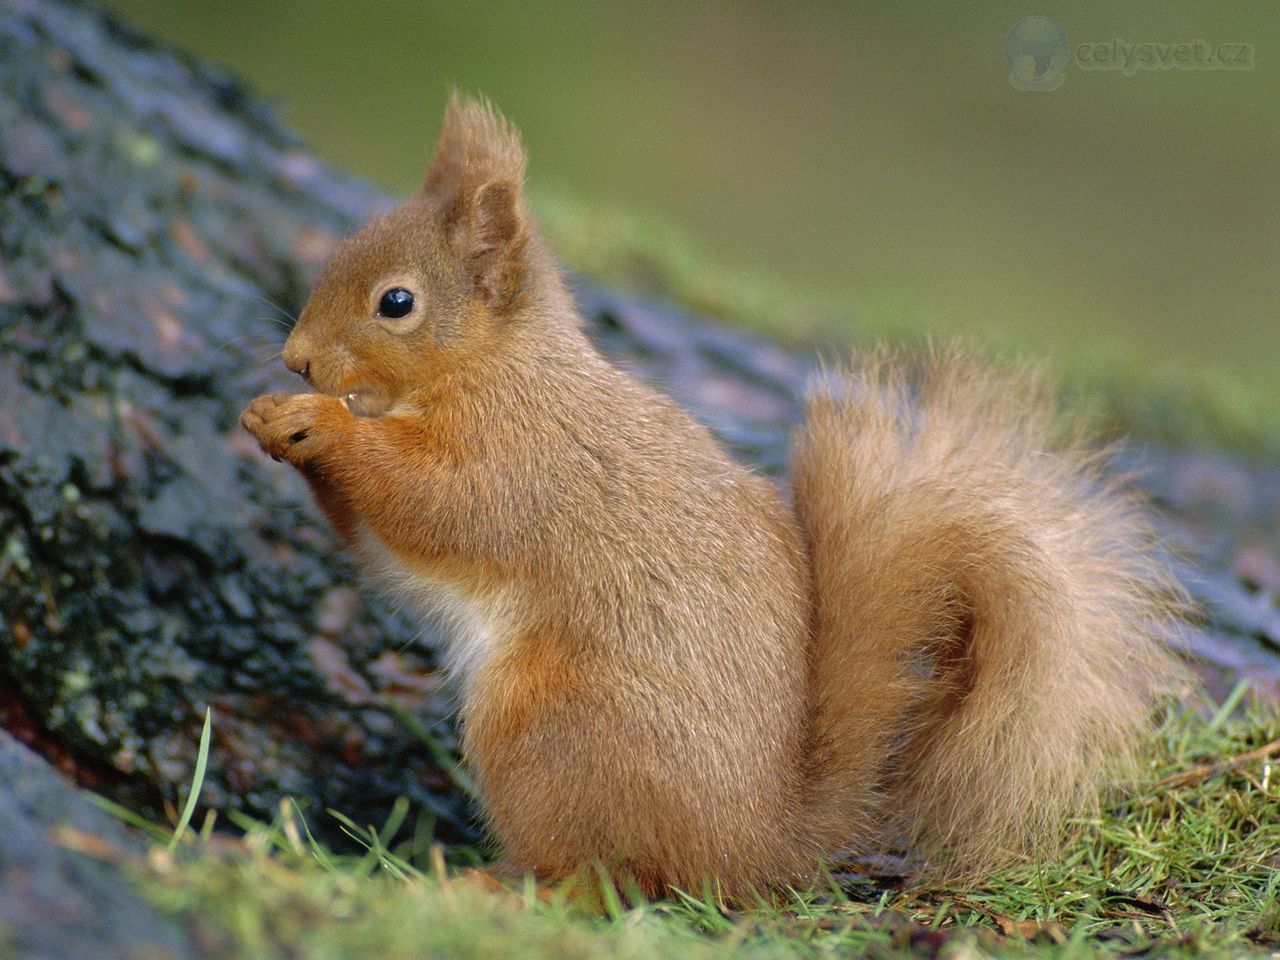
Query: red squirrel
[(945, 646)]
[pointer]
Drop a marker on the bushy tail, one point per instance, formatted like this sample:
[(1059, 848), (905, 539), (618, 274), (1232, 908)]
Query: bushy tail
[(988, 613)]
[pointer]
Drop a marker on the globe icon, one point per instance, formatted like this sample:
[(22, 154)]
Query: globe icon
[(1037, 51)]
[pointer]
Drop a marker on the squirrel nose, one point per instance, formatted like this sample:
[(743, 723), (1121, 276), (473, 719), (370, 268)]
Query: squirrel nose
[(299, 365), (297, 355)]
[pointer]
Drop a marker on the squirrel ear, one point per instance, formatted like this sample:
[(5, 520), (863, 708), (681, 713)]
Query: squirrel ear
[(476, 144), (489, 232), (476, 179)]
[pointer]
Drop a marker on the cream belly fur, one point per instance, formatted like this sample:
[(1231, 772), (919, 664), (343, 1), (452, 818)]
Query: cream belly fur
[(474, 627)]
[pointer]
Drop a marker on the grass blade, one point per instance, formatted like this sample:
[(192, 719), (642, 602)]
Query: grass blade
[(197, 780), (1228, 705)]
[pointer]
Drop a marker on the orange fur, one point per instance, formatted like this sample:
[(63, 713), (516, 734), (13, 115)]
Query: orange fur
[(947, 645)]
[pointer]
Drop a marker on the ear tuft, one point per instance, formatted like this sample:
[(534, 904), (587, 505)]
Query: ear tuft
[(477, 144)]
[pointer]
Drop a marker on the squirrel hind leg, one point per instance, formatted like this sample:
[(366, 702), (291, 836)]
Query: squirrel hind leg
[(987, 643)]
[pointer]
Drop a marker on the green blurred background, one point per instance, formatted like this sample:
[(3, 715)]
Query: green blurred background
[(870, 156)]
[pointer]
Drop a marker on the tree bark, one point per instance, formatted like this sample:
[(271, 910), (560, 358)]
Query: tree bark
[(156, 227)]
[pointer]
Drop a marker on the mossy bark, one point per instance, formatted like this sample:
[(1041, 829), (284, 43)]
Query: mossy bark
[(156, 224)]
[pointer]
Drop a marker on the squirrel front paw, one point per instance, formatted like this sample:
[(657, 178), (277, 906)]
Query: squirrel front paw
[(296, 427)]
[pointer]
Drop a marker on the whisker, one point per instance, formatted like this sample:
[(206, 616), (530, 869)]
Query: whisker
[(251, 337), (271, 359), (279, 309)]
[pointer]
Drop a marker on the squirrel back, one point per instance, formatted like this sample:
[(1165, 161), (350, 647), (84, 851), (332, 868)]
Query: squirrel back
[(946, 645)]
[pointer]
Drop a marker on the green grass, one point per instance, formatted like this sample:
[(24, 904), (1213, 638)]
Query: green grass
[(1187, 862), (1169, 400)]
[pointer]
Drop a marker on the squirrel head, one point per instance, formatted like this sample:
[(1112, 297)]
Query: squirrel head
[(433, 284)]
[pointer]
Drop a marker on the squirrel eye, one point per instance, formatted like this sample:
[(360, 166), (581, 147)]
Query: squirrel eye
[(395, 303)]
